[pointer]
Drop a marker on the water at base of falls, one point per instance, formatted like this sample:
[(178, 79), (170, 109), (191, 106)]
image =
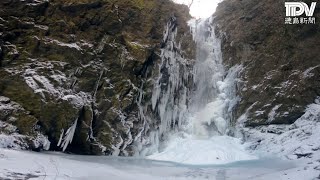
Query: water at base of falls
[(215, 150), (202, 139)]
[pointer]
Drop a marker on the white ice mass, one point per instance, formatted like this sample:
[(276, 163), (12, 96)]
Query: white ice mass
[(202, 138)]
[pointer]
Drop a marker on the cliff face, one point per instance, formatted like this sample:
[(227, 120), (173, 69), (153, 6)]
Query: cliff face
[(80, 65), (281, 62)]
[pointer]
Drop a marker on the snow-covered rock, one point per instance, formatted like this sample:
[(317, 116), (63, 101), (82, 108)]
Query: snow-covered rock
[(299, 141)]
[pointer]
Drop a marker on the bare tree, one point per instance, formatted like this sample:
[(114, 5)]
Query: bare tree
[(190, 4)]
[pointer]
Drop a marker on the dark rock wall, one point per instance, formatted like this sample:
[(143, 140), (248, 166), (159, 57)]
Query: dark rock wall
[(281, 72), (83, 62)]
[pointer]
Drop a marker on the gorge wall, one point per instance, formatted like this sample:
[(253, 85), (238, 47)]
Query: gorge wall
[(281, 73), (84, 71), (107, 73)]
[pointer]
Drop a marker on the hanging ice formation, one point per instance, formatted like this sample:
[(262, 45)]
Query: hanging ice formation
[(169, 98), (170, 92), (196, 100)]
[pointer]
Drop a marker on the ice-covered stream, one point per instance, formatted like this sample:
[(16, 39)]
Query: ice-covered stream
[(55, 166)]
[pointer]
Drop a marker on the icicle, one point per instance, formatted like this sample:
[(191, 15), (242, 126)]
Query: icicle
[(61, 137), (169, 98), (68, 136)]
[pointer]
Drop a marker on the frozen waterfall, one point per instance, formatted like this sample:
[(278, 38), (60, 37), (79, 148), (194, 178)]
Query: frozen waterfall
[(213, 97), (197, 124)]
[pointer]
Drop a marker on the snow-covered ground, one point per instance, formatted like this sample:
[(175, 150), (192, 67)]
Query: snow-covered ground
[(299, 141), (216, 150)]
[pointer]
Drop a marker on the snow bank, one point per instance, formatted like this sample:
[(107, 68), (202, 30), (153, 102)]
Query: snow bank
[(11, 141), (299, 141), (18, 141)]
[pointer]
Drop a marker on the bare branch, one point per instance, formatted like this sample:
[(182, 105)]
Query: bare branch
[(190, 4)]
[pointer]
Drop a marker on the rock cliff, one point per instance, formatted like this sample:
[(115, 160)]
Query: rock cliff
[(281, 73), (83, 66)]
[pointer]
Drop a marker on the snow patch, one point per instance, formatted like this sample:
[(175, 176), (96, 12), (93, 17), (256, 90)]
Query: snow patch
[(298, 141), (216, 150), (12, 141), (308, 73), (78, 100), (59, 43), (272, 114)]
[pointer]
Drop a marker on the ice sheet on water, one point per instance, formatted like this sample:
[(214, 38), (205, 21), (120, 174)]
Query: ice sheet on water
[(61, 166)]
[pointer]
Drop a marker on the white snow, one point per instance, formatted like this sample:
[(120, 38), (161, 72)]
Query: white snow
[(59, 43), (60, 78), (6, 105), (139, 45), (273, 112), (289, 140), (216, 150), (41, 140), (18, 141), (43, 27), (41, 84), (11, 141), (298, 141), (308, 73), (78, 100), (257, 113)]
